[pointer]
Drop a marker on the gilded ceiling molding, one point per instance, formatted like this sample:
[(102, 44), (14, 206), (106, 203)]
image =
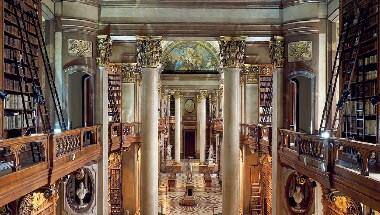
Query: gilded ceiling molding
[(276, 51), (149, 52), (232, 52), (104, 49)]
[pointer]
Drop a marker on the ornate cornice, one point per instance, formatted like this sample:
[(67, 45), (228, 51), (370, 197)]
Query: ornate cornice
[(149, 52), (232, 52), (276, 51), (104, 45)]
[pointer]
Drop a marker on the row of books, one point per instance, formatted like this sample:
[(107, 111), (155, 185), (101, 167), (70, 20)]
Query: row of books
[(15, 102), (14, 85), (16, 122), (368, 60)]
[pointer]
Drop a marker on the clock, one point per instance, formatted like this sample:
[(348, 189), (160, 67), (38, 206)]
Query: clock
[(189, 105)]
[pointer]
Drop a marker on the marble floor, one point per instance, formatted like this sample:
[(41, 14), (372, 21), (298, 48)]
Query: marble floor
[(209, 200)]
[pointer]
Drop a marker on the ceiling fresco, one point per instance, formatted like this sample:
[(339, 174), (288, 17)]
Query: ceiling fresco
[(182, 56)]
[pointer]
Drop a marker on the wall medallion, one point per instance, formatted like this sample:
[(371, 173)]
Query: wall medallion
[(80, 190), (299, 193), (189, 105)]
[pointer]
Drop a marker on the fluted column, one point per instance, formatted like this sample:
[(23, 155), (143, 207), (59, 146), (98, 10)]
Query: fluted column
[(201, 118), (104, 51), (178, 122), (232, 52), (148, 56), (277, 56)]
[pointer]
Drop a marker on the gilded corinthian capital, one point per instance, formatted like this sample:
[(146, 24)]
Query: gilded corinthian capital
[(149, 52), (276, 51), (232, 51), (104, 46)]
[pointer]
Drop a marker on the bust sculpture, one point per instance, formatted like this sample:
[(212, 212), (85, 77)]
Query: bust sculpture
[(81, 193), (298, 196)]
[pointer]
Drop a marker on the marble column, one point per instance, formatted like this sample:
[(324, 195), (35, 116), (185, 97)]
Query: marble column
[(232, 52), (276, 53), (201, 118), (178, 126), (104, 50), (148, 55)]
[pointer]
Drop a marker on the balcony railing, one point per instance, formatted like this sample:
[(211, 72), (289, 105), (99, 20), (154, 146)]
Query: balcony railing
[(346, 165), (122, 135), (30, 162)]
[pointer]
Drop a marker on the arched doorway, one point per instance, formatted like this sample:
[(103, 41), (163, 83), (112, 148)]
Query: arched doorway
[(303, 87)]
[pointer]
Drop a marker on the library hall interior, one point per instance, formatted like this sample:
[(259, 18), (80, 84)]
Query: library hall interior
[(189, 107)]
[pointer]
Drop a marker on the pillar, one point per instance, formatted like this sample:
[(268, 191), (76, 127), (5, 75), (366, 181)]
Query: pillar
[(178, 126), (232, 57), (276, 53), (104, 50), (148, 55), (201, 128)]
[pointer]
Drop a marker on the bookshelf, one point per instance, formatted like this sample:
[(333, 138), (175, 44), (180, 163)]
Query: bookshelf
[(360, 117), (265, 99), (114, 93), (17, 115)]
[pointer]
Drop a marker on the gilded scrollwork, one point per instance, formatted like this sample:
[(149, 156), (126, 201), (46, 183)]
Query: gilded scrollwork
[(276, 51), (114, 160), (149, 52), (79, 48), (344, 204), (130, 73), (32, 202), (232, 52), (104, 47)]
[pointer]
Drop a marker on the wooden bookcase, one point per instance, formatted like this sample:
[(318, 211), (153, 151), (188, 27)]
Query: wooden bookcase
[(265, 99), (13, 120), (114, 93), (361, 118)]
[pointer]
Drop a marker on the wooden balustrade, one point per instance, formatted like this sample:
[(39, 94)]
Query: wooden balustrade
[(38, 160), (326, 160)]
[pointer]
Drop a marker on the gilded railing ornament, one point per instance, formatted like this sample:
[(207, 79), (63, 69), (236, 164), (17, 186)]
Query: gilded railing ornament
[(104, 45), (276, 51), (343, 203), (232, 52), (149, 52)]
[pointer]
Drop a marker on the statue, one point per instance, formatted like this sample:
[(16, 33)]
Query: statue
[(169, 152), (298, 196), (189, 173), (81, 193), (211, 155)]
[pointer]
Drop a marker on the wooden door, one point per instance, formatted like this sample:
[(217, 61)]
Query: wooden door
[(189, 143)]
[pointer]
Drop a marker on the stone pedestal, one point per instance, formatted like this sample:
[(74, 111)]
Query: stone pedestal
[(173, 170), (188, 198)]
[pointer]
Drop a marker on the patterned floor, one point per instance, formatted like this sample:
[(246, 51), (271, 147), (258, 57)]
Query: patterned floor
[(209, 201)]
